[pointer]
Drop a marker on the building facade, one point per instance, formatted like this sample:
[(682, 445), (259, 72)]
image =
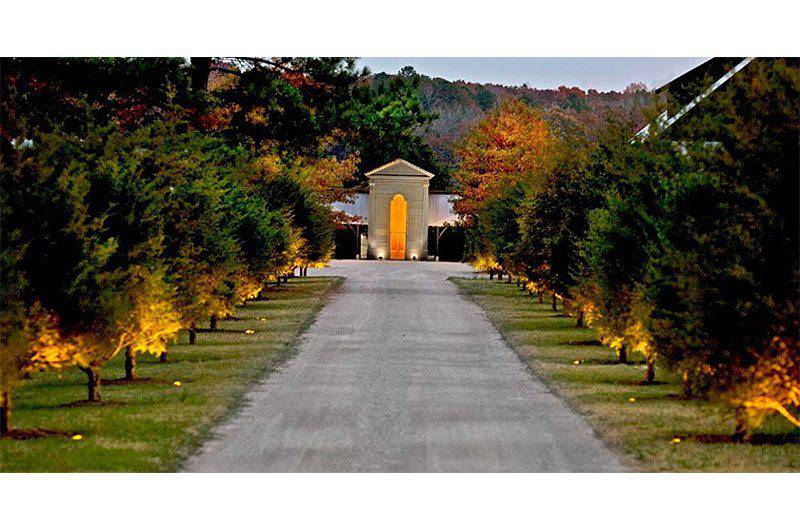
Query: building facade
[(398, 218)]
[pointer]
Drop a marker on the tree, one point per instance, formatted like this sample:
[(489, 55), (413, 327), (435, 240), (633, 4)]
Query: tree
[(386, 121), (554, 221), (508, 150), (42, 94), (622, 236), (725, 285)]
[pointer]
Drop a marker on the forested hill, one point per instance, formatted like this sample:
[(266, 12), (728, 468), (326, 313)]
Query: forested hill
[(459, 104)]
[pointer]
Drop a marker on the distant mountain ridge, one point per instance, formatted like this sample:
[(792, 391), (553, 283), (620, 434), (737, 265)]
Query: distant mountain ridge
[(459, 104)]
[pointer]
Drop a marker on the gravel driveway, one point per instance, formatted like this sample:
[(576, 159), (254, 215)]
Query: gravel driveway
[(400, 373)]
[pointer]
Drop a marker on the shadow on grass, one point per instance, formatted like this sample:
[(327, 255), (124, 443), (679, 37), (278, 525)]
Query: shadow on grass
[(138, 381), (34, 434), (581, 343), (756, 439), (610, 362), (222, 330), (72, 405)]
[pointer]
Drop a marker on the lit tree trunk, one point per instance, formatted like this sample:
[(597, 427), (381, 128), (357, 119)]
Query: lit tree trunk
[(687, 384), (5, 412), (623, 355), (650, 373), (92, 381), (130, 365), (579, 323), (741, 433), (554, 304), (213, 323), (192, 334)]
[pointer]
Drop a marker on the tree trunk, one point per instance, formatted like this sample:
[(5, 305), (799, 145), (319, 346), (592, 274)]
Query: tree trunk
[(5, 412), (554, 304), (213, 323), (130, 365), (650, 373), (92, 382), (163, 357), (541, 297), (192, 334), (491, 275), (579, 323), (517, 282), (500, 276), (623, 355), (201, 68), (305, 272), (508, 280), (741, 433), (285, 279)]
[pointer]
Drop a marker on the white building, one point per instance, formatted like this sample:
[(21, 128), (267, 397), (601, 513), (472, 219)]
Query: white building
[(399, 215)]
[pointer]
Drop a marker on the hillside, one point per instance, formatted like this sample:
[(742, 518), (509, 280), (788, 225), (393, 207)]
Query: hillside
[(459, 104)]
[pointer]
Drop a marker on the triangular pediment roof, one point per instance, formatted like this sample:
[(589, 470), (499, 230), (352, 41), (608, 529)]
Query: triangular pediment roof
[(399, 168)]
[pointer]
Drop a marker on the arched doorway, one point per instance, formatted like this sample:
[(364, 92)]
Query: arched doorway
[(397, 227)]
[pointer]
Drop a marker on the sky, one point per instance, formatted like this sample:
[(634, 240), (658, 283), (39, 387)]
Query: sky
[(613, 73)]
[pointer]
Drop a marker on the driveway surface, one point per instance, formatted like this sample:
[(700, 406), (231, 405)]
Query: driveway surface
[(400, 373)]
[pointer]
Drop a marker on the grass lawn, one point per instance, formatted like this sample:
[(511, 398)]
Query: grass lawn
[(154, 425), (640, 421)]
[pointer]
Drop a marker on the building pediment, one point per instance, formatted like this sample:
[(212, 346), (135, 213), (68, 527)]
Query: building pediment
[(399, 168)]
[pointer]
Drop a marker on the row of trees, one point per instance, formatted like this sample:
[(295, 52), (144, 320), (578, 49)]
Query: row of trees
[(141, 197), (681, 248)]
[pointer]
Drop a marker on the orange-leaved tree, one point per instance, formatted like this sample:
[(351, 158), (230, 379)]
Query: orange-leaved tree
[(502, 158)]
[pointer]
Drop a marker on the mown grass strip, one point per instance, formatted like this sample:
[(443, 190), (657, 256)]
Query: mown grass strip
[(154, 424), (653, 426)]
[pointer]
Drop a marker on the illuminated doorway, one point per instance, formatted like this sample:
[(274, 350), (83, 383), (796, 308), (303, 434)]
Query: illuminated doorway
[(397, 228)]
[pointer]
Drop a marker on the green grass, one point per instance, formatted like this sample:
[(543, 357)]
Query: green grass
[(154, 425), (600, 389)]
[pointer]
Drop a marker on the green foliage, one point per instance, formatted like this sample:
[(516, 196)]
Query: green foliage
[(726, 283), (554, 221), (387, 120), (128, 205), (286, 194), (496, 229)]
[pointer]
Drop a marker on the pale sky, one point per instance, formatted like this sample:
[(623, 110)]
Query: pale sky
[(600, 73)]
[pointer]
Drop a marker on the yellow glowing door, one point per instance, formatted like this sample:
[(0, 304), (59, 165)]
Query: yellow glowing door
[(397, 228)]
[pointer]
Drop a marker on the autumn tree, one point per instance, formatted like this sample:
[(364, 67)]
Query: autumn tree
[(504, 153)]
